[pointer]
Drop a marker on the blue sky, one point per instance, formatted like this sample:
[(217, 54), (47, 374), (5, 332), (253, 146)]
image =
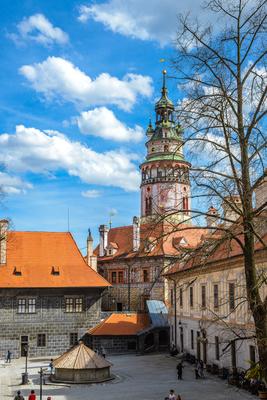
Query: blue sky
[(78, 84)]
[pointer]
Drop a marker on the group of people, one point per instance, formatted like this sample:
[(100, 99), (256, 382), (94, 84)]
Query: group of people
[(32, 396), (199, 370)]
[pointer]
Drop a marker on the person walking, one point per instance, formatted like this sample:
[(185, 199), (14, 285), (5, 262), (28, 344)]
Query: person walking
[(103, 352), (196, 371), (201, 368), (18, 396), (180, 370), (32, 395), (8, 356), (51, 366)]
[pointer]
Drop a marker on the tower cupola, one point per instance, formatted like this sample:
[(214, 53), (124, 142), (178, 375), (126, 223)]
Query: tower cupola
[(164, 107), (165, 186)]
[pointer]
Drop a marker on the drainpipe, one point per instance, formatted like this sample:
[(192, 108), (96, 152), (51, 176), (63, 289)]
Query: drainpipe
[(175, 310)]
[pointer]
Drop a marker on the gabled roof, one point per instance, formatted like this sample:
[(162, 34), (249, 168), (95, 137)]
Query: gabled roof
[(121, 325), (46, 260), (160, 236), (80, 357), (226, 250)]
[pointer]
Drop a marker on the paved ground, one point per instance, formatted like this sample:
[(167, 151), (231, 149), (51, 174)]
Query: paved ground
[(137, 378)]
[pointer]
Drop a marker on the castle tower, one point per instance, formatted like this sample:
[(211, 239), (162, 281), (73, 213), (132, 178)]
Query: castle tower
[(165, 186)]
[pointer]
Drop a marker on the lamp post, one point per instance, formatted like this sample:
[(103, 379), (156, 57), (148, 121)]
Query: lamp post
[(25, 378), (41, 382)]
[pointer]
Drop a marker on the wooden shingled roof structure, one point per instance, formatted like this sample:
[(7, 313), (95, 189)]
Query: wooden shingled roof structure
[(80, 357)]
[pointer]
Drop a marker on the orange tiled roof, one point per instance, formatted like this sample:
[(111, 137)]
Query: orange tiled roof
[(161, 236), (46, 259), (225, 251), (121, 325)]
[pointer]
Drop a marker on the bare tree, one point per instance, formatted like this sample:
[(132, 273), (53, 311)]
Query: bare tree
[(222, 73)]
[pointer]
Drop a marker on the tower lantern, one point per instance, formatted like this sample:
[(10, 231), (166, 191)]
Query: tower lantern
[(165, 186)]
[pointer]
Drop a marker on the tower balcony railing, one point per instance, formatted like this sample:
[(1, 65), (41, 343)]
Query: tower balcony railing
[(179, 179)]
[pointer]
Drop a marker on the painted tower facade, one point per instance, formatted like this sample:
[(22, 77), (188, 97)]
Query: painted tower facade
[(165, 186)]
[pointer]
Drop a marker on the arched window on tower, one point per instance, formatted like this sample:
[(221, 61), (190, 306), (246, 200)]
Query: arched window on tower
[(148, 205), (185, 204), (166, 147)]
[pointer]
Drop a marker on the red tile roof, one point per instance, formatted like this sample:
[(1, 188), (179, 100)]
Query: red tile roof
[(121, 325), (162, 237), (46, 259), (225, 251)]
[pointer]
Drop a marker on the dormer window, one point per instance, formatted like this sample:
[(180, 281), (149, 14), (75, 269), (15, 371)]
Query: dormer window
[(55, 270), (17, 271)]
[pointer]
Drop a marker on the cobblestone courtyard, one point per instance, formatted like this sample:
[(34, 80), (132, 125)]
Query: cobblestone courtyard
[(137, 377)]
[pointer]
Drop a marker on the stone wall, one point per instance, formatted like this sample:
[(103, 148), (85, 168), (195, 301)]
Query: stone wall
[(50, 319), (113, 344), (138, 289)]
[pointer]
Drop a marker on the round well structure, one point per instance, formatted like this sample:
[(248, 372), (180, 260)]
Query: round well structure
[(81, 364)]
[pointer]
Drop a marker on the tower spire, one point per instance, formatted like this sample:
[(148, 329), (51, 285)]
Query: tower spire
[(164, 89)]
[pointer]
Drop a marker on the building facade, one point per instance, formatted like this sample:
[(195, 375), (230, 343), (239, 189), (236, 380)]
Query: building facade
[(49, 296), (208, 309)]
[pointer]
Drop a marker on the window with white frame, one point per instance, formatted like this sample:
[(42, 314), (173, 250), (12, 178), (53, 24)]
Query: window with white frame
[(26, 305), (73, 304)]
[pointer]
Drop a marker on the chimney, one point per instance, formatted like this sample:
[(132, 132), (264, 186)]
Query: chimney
[(136, 233), (3, 238), (91, 258), (103, 230), (261, 191), (229, 210), (212, 218)]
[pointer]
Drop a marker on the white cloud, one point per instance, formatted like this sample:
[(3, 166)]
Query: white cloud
[(58, 78), (103, 123), (91, 194), (35, 151), (39, 29), (146, 20), (12, 184)]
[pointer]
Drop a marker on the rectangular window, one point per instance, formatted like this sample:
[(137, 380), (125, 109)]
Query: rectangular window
[(217, 348), (26, 306), (191, 297), (252, 354), (231, 296), (216, 297), (69, 304), (120, 277), (41, 340), (32, 305), (192, 339), (78, 304), (181, 297), (171, 297), (113, 277), (145, 275), (203, 296), (73, 304), (73, 338), (21, 306)]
